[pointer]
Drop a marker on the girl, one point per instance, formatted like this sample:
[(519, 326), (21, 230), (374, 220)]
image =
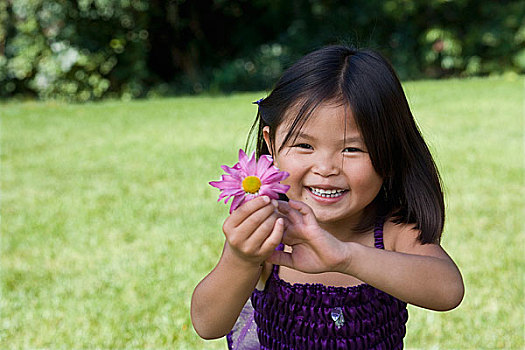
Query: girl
[(362, 227)]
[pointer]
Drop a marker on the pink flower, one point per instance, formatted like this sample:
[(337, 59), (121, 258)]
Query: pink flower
[(249, 179)]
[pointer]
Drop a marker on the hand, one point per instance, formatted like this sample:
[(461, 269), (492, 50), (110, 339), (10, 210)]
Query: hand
[(314, 250), (254, 230)]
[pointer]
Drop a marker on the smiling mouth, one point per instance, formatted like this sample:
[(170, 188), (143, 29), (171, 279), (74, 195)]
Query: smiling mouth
[(326, 193)]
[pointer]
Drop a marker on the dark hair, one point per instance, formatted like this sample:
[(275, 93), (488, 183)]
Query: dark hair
[(366, 82)]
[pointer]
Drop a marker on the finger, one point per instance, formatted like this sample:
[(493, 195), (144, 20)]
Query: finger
[(290, 238), (275, 238), (305, 210), (283, 207), (238, 236), (257, 218), (246, 209), (281, 258), (261, 232), (277, 212), (293, 215)]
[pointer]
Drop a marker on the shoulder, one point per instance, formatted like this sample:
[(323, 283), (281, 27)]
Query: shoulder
[(397, 235), (403, 238)]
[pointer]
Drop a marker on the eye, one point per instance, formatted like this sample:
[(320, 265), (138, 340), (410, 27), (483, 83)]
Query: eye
[(303, 146), (352, 150)]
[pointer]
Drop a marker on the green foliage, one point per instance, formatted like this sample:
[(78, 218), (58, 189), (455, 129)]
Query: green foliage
[(74, 50), (252, 72), (421, 38), (88, 49)]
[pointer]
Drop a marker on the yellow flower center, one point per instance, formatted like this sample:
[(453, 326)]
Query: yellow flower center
[(251, 184)]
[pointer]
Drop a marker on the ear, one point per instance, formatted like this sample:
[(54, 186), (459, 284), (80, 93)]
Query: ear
[(266, 136)]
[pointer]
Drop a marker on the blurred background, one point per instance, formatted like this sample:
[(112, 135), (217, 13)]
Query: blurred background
[(91, 49), (107, 219)]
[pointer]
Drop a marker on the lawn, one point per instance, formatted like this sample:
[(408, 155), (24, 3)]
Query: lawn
[(108, 222)]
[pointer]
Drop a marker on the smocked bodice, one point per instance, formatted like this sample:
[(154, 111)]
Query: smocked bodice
[(315, 316)]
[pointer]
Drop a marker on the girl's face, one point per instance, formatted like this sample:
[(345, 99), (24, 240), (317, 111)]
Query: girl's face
[(329, 165)]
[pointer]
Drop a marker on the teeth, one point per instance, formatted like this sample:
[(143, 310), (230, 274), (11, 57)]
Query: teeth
[(326, 193)]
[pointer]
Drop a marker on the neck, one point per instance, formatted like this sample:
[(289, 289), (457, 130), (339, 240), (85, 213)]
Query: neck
[(343, 231), (350, 229)]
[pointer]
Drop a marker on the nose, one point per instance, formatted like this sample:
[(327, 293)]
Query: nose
[(327, 166)]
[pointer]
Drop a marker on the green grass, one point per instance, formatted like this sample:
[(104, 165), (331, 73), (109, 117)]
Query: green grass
[(108, 222)]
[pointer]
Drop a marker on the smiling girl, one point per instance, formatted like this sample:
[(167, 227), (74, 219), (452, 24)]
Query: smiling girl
[(333, 265)]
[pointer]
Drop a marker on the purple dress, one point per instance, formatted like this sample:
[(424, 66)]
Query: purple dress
[(315, 316)]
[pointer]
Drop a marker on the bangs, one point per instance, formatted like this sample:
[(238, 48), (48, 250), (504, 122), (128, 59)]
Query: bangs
[(302, 109)]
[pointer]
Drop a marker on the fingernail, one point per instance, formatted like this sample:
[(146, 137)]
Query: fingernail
[(274, 202), (266, 199)]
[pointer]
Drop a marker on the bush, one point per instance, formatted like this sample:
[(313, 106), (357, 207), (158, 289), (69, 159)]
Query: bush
[(76, 51), (89, 49)]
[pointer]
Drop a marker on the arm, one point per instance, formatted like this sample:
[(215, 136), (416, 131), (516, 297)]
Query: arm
[(219, 298), (252, 234), (422, 275)]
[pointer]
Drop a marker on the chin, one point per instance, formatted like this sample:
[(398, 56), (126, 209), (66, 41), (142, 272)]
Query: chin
[(324, 219)]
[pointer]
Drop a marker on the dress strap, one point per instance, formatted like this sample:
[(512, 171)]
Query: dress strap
[(275, 268), (378, 233)]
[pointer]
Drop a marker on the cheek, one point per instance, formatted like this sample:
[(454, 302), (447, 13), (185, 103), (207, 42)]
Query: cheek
[(363, 177), (296, 171)]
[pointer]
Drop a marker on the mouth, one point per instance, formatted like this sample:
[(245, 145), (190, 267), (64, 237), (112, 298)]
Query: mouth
[(327, 193)]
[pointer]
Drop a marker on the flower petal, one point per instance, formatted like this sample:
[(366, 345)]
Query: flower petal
[(267, 191), (237, 201), (267, 156), (230, 185), (250, 196), (275, 187), (270, 177), (251, 166), (280, 188), (233, 172), (226, 199), (226, 169), (232, 192), (217, 184), (262, 165), (243, 159)]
